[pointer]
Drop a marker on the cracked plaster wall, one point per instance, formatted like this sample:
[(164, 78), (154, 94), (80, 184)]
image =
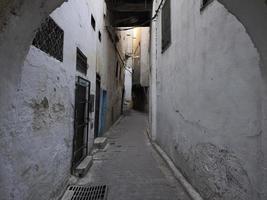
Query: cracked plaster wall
[(16, 17), (209, 106), (37, 97)]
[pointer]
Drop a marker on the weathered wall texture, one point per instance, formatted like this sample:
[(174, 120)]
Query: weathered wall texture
[(209, 106), (137, 55), (115, 87), (141, 45), (37, 98), (39, 148), (126, 48), (106, 62), (18, 17), (140, 75), (144, 59), (253, 15)]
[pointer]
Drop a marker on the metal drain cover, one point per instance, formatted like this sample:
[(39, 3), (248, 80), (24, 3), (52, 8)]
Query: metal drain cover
[(86, 193)]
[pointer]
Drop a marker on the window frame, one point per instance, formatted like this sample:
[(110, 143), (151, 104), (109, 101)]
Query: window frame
[(43, 42), (80, 55), (164, 47)]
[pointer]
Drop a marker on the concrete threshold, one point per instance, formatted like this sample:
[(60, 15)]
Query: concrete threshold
[(84, 166), (194, 195), (100, 142)]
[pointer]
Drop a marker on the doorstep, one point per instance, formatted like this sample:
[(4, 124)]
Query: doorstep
[(83, 167), (100, 142)]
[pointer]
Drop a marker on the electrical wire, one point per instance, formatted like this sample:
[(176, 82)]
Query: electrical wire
[(150, 20), (118, 52)]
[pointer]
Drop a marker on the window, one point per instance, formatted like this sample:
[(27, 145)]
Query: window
[(166, 25), (99, 36), (49, 38), (204, 4), (93, 21), (81, 62)]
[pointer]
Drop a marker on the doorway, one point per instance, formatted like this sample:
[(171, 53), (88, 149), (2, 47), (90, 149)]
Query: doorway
[(103, 111), (81, 121), (97, 105), (122, 100)]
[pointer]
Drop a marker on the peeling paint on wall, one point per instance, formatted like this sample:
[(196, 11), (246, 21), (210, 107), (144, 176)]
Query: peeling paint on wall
[(220, 173)]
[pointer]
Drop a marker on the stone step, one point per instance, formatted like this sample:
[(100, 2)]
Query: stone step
[(100, 142), (83, 167)]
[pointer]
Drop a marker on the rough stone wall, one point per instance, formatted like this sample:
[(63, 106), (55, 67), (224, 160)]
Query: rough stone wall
[(209, 117), (37, 98)]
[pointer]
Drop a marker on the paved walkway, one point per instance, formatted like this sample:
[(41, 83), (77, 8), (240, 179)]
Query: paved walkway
[(130, 166)]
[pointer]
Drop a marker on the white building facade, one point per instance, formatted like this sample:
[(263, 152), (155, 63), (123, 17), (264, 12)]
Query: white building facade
[(206, 99), (56, 101)]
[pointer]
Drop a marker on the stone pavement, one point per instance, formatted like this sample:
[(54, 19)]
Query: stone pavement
[(131, 167)]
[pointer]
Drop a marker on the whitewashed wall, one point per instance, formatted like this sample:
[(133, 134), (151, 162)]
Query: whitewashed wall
[(126, 48), (36, 154), (208, 100), (144, 60)]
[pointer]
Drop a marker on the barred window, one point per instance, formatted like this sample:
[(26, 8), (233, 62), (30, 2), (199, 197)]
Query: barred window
[(49, 38), (166, 25), (81, 62)]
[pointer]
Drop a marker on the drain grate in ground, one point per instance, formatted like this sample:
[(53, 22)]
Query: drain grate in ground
[(86, 193)]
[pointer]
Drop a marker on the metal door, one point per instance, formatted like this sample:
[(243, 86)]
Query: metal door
[(81, 121), (97, 104)]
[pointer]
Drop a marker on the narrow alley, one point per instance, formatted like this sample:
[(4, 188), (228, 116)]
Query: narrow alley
[(133, 99), (130, 167)]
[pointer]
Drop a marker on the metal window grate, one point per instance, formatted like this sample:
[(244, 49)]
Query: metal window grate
[(86, 193), (49, 39)]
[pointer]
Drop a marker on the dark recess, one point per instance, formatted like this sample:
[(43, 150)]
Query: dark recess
[(99, 36), (81, 62), (125, 13)]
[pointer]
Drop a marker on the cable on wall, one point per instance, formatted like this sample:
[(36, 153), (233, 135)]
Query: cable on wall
[(150, 20)]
